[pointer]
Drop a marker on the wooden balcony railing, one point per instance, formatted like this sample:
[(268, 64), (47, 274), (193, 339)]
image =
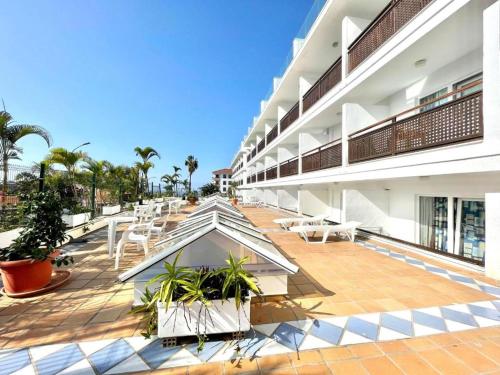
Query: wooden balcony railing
[(249, 157), (289, 167), (290, 117), (254, 178), (273, 133), (271, 173), (249, 179), (324, 84), (326, 156), (458, 120), (261, 145), (254, 152), (261, 176), (394, 16)]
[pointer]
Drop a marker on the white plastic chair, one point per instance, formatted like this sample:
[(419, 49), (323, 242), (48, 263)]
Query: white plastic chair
[(131, 235), (158, 230)]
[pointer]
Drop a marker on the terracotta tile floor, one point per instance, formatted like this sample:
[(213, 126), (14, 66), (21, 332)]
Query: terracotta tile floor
[(342, 278), (335, 279), (92, 306)]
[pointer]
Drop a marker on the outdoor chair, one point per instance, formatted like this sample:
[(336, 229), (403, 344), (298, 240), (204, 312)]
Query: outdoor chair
[(135, 233), (347, 230), (287, 222)]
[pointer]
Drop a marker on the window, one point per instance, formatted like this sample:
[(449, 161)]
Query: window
[(464, 236), (224, 189), (431, 97), (468, 81), (223, 176), (224, 182)]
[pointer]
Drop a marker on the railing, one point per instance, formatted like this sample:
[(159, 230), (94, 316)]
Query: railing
[(289, 167), (456, 121), (272, 173), (261, 176), (249, 179), (254, 152), (261, 145), (326, 156), (290, 117), (273, 133), (394, 16), (249, 157), (324, 84), (254, 178)]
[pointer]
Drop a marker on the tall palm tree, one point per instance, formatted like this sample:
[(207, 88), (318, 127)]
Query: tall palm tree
[(146, 154), (98, 168), (69, 160), (144, 168), (10, 133), (169, 180), (192, 165), (176, 178)]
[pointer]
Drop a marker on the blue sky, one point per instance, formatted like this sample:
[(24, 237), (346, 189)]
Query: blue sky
[(185, 77)]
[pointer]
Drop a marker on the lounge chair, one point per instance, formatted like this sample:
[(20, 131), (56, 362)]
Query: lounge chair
[(287, 222), (252, 203), (344, 230)]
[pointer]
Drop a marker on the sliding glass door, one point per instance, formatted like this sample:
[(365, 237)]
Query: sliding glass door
[(453, 225)]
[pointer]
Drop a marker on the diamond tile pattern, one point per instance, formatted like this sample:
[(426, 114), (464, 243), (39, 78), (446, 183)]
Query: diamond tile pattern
[(111, 355), (60, 360), (289, 336)]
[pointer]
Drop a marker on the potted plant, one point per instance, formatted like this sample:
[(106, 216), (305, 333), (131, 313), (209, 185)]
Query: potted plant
[(231, 192), (197, 302), (192, 198), (76, 215), (26, 264)]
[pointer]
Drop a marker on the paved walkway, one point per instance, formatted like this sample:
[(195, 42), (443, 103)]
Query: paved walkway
[(353, 308)]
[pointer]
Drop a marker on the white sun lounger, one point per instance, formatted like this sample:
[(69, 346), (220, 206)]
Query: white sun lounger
[(287, 222), (346, 230)]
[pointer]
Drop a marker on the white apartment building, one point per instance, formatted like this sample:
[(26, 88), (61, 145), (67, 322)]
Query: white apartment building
[(222, 178), (389, 114)]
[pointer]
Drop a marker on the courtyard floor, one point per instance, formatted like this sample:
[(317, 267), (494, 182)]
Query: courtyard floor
[(353, 308)]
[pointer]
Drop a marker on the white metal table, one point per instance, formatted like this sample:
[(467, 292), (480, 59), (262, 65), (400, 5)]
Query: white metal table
[(112, 224)]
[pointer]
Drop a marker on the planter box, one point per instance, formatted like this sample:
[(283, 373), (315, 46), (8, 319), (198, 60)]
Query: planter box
[(111, 210), (76, 220), (223, 314)]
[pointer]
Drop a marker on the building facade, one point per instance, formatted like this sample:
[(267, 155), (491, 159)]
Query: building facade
[(222, 178), (388, 114)]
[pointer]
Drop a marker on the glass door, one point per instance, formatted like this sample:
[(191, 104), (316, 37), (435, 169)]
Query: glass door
[(470, 228), (433, 222)]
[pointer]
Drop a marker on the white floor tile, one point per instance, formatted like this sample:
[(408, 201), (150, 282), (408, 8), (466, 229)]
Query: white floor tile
[(181, 358), (273, 348), (304, 325), (386, 334), (266, 329), (421, 330), (311, 342), (80, 368), (39, 352), (131, 364), (28, 370), (350, 338), (89, 347)]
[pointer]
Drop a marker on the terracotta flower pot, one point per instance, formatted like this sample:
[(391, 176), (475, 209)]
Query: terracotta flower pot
[(235, 201), (21, 276), (192, 200)]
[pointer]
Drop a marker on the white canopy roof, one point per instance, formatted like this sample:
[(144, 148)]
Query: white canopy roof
[(216, 205), (234, 229)]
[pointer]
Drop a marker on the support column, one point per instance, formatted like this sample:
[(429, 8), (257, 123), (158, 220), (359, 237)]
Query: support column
[(351, 28)]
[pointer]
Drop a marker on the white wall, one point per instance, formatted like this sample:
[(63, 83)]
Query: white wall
[(315, 202), (288, 198), (270, 197)]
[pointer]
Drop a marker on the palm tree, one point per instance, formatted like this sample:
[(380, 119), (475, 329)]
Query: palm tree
[(146, 154), (192, 164), (185, 184), (68, 159), (97, 168), (10, 133), (169, 180), (144, 168)]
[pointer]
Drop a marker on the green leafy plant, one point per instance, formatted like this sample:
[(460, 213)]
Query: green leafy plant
[(44, 230), (209, 189), (187, 286), (237, 280)]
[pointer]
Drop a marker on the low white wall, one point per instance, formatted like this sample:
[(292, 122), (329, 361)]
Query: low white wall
[(288, 198), (315, 202)]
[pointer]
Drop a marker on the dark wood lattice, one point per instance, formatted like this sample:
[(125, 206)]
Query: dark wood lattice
[(261, 145), (261, 176), (326, 156), (456, 121), (290, 117), (254, 178), (324, 84), (271, 173), (289, 167), (273, 133), (394, 16), (249, 157)]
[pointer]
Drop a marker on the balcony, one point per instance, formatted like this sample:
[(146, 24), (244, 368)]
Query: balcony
[(249, 180), (249, 157), (394, 16), (289, 118), (261, 145), (458, 120), (289, 167), (261, 176), (273, 133), (254, 178), (326, 156), (324, 84), (272, 173)]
